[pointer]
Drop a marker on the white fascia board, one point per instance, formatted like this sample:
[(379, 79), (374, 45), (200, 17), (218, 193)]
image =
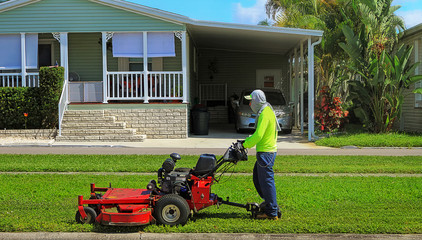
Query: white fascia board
[(12, 4), (412, 31), (294, 31)]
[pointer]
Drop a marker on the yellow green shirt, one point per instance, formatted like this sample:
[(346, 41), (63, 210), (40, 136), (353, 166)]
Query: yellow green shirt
[(265, 135)]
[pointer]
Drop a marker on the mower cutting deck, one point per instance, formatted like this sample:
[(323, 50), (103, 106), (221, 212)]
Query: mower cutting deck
[(179, 193)]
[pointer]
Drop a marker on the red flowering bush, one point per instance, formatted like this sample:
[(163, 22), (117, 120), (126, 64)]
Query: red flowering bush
[(329, 113)]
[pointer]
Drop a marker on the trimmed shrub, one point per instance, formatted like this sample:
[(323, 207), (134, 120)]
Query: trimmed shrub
[(32, 108), (51, 84)]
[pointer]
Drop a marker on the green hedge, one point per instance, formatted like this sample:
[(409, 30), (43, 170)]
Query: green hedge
[(40, 104)]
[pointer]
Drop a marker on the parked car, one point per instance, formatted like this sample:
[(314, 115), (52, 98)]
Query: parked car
[(245, 118)]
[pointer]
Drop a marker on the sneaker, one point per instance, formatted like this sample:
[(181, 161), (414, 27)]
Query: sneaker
[(265, 216)]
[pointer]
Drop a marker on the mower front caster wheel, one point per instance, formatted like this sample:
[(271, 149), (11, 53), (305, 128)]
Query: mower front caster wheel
[(91, 215), (171, 209)]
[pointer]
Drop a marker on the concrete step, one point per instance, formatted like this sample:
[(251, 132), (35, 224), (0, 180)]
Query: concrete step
[(93, 132), (93, 125), (84, 113), (102, 138), (91, 119)]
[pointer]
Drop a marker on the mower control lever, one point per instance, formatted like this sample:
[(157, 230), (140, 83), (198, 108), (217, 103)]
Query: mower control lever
[(250, 207)]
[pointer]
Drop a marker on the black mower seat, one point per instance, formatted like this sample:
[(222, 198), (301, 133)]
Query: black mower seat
[(206, 164)]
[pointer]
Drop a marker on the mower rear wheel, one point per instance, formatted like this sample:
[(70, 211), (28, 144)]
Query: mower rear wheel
[(91, 215), (171, 209)]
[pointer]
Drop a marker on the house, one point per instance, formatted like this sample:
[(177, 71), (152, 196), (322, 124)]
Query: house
[(411, 119), (125, 62)]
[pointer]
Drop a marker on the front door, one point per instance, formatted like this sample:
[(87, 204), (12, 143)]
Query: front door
[(44, 55)]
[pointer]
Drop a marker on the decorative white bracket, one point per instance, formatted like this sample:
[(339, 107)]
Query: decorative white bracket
[(56, 36), (109, 35), (178, 34)]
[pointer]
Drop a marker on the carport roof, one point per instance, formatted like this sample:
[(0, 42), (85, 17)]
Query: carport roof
[(250, 38)]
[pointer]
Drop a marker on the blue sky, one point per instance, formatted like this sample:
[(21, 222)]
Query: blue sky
[(253, 11)]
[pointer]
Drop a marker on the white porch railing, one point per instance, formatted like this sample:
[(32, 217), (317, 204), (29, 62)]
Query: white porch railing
[(63, 102), (132, 86), (15, 80), (213, 91)]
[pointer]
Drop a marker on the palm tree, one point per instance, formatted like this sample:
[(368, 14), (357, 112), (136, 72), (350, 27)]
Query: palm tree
[(326, 15), (381, 24)]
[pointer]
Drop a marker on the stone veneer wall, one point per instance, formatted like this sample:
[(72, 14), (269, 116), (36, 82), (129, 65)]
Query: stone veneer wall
[(156, 123), (29, 133)]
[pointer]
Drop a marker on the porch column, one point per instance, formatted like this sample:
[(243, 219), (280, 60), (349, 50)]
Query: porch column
[(311, 87), (301, 88), (23, 60), (64, 55), (296, 88), (184, 67), (291, 78), (145, 49), (310, 90), (104, 54)]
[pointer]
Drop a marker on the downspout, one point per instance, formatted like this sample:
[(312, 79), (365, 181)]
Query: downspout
[(311, 87)]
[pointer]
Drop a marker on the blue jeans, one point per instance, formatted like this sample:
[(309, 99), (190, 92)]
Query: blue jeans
[(263, 179)]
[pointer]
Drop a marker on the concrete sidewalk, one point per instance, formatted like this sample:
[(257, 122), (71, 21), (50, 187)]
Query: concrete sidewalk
[(205, 236), (216, 142)]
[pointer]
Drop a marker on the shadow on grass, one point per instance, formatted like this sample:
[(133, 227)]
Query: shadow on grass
[(98, 228), (223, 215)]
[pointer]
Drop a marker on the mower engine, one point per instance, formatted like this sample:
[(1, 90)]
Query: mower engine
[(175, 180)]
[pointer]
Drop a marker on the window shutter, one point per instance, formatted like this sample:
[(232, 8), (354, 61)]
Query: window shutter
[(128, 45), (10, 49)]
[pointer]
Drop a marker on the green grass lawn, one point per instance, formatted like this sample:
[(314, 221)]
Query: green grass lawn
[(372, 140), (151, 163), (36, 202)]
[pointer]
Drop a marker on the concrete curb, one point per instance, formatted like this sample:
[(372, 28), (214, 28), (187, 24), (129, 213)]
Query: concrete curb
[(205, 236)]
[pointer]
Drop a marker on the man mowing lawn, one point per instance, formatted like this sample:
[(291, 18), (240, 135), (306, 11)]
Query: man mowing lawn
[(265, 139)]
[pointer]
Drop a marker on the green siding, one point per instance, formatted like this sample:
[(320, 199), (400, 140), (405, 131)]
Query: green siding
[(174, 63), (112, 62), (77, 16), (85, 56)]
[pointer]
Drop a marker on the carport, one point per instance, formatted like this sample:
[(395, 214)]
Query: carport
[(229, 57)]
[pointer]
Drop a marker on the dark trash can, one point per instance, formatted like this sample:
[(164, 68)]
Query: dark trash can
[(200, 121)]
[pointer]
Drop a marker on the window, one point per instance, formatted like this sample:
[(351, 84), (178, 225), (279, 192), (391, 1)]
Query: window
[(418, 97), (137, 64)]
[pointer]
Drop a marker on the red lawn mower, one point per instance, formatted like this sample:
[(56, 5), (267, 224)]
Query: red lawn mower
[(179, 193)]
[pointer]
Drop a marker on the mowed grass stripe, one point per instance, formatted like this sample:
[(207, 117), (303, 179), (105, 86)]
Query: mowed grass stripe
[(36, 202), (151, 163)]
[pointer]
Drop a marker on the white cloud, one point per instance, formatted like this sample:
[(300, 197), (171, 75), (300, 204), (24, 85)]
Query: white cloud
[(250, 15), (411, 18)]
